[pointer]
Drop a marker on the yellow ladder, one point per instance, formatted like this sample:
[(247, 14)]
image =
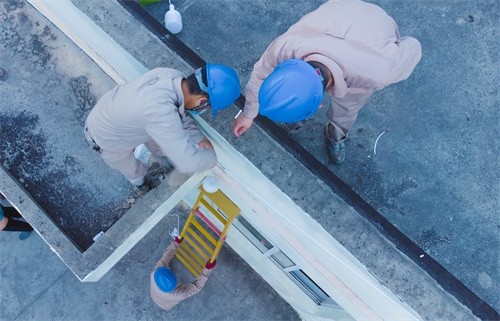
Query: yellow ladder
[(201, 244)]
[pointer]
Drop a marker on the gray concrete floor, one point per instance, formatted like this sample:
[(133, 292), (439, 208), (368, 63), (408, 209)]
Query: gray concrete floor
[(36, 285), (435, 175)]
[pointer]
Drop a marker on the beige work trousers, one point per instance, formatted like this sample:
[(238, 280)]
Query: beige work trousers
[(343, 113), (124, 161)]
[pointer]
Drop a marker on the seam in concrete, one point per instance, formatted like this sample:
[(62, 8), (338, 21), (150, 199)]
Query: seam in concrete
[(41, 294)]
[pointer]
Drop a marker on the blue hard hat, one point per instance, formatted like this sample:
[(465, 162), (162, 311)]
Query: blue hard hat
[(223, 86), (291, 93), (165, 279)]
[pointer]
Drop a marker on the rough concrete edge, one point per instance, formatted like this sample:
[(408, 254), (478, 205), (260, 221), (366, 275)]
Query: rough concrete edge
[(38, 219), (132, 227), (83, 264)]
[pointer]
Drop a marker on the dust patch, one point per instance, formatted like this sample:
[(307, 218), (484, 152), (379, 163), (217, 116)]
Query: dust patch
[(430, 238), (85, 99), (24, 153)]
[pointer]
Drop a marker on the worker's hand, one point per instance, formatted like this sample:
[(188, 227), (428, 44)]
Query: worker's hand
[(178, 240), (210, 265), (241, 125), (205, 144)]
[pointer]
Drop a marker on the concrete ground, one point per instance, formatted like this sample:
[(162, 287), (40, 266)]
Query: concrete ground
[(445, 200), (48, 88), (435, 174), (36, 285)]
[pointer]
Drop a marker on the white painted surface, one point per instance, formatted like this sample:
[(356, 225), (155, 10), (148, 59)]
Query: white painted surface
[(98, 45)]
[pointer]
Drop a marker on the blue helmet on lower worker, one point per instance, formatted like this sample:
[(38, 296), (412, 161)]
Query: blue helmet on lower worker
[(165, 279), (291, 93), (223, 85)]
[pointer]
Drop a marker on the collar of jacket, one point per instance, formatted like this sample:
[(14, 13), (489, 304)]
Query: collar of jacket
[(180, 97), (340, 87)]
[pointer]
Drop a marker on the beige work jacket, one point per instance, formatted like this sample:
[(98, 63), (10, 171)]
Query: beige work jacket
[(150, 107), (357, 41)]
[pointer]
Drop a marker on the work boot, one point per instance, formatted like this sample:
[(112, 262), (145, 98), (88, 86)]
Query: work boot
[(141, 190), (335, 149), (176, 178), (294, 127), (162, 160)]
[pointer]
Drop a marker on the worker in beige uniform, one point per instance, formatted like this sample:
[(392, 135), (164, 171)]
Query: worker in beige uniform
[(350, 48), (164, 289), (151, 110)]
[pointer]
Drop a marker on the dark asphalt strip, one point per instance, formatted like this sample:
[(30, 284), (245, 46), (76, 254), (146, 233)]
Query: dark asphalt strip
[(444, 278)]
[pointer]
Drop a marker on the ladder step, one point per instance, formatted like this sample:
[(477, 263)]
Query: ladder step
[(223, 203), (200, 241), (186, 251), (195, 246), (184, 260), (213, 211), (205, 233), (207, 221)]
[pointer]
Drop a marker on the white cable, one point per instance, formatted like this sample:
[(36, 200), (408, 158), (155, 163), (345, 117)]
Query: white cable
[(175, 231), (178, 220), (376, 141)]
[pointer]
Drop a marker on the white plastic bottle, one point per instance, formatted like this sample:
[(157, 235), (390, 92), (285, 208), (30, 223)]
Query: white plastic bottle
[(173, 20)]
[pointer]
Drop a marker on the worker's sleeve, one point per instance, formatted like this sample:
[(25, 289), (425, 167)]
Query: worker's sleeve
[(168, 255), (192, 129), (409, 53), (167, 130), (277, 52)]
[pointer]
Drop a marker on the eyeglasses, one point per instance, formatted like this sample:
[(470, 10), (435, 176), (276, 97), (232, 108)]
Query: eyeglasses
[(201, 108)]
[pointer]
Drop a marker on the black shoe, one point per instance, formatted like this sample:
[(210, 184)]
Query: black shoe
[(141, 190)]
